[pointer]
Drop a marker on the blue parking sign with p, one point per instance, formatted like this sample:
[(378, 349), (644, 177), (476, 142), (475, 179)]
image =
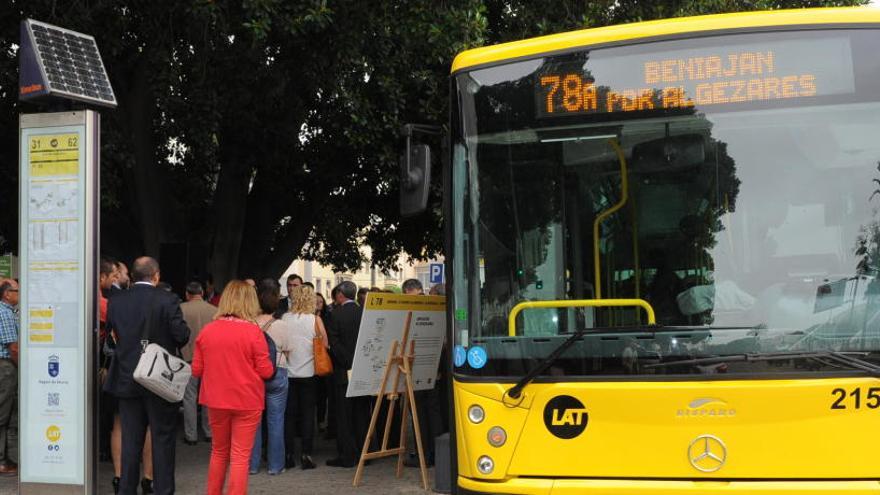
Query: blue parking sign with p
[(436, 273)]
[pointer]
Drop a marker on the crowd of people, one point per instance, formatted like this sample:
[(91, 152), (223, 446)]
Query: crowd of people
[(255, 392)]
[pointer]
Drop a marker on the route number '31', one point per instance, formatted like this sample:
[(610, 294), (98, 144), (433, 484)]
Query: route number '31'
[(856, 398)]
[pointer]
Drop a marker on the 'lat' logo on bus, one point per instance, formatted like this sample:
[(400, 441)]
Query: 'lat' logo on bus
[(572, 417), (565, 417)]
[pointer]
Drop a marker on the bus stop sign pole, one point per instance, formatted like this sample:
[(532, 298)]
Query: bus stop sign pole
[(59, 158)]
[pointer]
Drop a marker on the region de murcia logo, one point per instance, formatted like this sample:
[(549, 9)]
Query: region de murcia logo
[(565, 417), (706, 407), (54, 365)]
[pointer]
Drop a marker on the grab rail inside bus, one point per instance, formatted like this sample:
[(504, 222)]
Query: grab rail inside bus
[(624, 196), (578, 303)]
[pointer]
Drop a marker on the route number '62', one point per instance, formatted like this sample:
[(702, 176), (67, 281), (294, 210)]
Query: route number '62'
[(856, 398)]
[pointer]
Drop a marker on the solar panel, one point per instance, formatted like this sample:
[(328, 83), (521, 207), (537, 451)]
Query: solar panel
[(60, 63)]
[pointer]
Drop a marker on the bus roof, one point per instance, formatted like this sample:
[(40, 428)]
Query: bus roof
[(664, 27)]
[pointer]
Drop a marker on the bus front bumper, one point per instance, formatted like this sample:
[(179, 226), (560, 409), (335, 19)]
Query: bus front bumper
[(544, 486)]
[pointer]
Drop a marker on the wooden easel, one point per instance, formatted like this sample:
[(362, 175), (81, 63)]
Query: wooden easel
[(401, 358)]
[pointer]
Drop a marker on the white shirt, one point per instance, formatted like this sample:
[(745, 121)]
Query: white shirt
[(301, 358)]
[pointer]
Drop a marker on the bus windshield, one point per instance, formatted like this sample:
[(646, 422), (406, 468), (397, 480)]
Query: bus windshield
[(732, 182)]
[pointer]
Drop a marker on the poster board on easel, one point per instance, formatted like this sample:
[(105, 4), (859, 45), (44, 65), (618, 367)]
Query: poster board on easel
[(399, 364), (383, 323), (398, 352)]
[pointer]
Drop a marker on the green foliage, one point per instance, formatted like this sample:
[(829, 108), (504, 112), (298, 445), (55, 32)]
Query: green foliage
[(282, 117)]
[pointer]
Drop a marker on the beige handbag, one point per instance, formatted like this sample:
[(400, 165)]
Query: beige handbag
[(158, 370)]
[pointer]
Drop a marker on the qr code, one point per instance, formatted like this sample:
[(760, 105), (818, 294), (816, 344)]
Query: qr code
[(54, 399)]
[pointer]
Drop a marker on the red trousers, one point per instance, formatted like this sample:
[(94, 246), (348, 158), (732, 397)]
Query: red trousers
[(232, 433)]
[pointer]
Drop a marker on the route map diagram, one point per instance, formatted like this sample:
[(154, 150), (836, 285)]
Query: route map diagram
[(374, 347), (53, 199)]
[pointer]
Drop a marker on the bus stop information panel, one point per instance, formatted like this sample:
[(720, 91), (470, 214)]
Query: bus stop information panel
[(58, 197)]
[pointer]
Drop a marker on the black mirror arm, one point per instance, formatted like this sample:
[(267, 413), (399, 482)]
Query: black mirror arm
[(409, 130)]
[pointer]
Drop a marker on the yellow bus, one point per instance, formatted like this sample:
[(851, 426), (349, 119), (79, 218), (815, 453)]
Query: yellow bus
[(664, 247)]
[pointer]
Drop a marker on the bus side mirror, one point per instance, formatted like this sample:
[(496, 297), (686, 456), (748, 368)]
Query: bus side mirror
[(415, 179)]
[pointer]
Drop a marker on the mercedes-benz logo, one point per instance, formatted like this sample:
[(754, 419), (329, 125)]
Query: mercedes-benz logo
[(707, 453)]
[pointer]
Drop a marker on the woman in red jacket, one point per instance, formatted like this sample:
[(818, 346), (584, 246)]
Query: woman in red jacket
[(232, 359)]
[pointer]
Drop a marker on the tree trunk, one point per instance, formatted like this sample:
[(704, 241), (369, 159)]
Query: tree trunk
[(266, 252), (229, 208), (263, 216), (288, 247), (149, 197)]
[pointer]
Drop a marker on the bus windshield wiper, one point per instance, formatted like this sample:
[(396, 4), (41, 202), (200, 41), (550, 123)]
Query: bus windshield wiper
[(840, 357), (515, 391)]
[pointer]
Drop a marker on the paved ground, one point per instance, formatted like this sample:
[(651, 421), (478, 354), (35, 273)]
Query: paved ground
[(192, 469)]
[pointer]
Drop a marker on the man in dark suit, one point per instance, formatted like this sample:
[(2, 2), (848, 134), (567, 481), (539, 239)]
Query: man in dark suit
[(353, 414), (293, 281), (129, 314), (122, 282)]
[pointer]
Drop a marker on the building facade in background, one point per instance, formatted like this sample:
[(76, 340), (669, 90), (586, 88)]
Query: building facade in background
[(324, 278)]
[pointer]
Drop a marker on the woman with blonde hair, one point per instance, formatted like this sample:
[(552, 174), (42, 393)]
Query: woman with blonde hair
[(232, 359), (302, 386)]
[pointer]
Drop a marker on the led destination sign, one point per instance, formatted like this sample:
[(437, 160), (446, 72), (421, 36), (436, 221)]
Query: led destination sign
[(730, 74)]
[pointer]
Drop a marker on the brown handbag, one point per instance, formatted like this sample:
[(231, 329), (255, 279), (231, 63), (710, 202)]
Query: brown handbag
[(323, 365)]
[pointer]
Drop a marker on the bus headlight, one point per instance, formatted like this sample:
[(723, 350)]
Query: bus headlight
[(485, 464), (476, 414), (497, 436)]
